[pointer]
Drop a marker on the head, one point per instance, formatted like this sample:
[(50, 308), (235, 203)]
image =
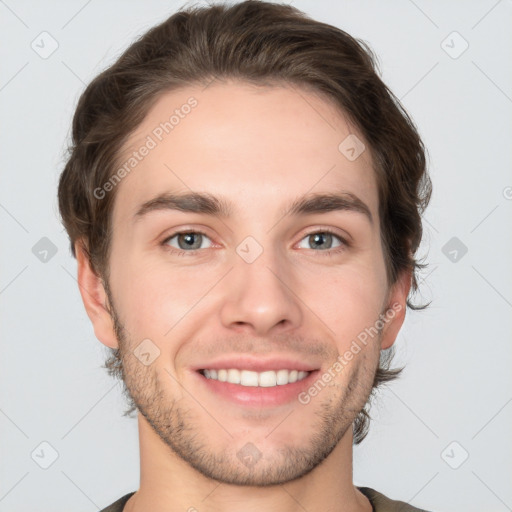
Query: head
[(256, 104)]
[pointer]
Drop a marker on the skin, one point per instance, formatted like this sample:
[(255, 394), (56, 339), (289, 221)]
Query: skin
[(259, 148)]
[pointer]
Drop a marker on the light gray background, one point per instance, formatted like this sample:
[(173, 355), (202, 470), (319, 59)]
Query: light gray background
[(457, 385)]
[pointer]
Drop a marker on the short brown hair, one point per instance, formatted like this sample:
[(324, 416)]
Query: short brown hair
[(264, 44)]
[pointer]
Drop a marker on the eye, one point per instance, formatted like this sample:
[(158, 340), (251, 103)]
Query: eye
[(323, 240), (187, 241), (183, 242)]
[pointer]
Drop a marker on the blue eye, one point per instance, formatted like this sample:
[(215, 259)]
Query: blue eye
[(187, 241), (323, 240)]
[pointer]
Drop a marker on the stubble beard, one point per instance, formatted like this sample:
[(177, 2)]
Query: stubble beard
[(178, 425)]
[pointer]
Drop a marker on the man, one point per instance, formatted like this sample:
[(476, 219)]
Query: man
[(244, 197)]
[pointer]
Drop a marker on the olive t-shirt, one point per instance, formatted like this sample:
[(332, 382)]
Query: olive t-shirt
[(380, 503)]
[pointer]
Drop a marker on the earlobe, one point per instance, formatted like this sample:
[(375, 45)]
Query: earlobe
[(95, 299), (394, 315)]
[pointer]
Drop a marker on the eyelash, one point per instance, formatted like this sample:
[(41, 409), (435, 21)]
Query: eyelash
[(327, 252)]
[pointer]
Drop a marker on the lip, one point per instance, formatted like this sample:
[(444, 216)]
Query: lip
[(256, 396), (255, 365)]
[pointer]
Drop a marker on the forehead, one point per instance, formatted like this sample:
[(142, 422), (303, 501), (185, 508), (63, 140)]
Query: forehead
[(258, 146)]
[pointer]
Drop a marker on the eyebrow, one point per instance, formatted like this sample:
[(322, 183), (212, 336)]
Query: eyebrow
[(196, 202)]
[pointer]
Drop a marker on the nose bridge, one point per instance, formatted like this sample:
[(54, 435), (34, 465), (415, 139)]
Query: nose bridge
[(259, 294)]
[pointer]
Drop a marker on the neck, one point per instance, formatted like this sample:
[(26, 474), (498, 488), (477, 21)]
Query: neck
[(167, 483)]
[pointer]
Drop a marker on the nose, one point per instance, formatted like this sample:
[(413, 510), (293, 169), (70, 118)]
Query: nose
[(259, 297)]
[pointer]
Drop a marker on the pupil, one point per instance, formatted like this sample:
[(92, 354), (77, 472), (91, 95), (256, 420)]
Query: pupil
[(189, 239), (317, 238)]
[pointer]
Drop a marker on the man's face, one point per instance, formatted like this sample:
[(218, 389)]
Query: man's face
[(264, 288)]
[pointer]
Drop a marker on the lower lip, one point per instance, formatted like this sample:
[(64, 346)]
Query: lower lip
[(258, 396)]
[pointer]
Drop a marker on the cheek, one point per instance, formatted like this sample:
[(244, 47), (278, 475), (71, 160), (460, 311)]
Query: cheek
[(348, 302), (142, 298), (153, 298)]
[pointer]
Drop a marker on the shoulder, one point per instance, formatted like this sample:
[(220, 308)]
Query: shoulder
[(118, 505), (381, 503)]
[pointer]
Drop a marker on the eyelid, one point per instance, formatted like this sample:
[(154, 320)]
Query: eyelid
[(341, 234), (180, 231), (345, 239), (169, 233)]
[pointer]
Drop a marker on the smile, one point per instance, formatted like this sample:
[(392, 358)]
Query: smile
[(250, 378)]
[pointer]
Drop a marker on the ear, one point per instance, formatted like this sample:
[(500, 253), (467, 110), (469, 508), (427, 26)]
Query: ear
[(394, 313), (95, 299)]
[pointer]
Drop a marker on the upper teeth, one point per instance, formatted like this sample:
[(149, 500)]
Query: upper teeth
[(263, 379)]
